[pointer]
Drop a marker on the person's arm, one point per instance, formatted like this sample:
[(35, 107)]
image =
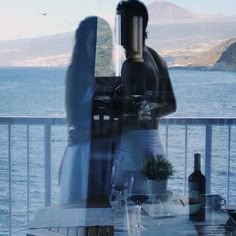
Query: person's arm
[(166, 92)]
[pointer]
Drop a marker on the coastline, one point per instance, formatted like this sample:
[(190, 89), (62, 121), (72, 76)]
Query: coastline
[(194, 68), (200, 68)]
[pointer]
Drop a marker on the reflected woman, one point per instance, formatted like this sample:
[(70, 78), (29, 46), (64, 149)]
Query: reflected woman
[(76, 174)]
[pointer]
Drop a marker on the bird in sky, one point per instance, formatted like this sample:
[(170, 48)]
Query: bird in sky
[(43, 14)]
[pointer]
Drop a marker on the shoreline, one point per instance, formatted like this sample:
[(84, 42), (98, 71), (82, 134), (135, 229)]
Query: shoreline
[(193, 68), (199, 68)]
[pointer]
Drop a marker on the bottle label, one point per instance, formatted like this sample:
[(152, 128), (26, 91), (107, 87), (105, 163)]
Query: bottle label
[(195, 196), (196, 202)]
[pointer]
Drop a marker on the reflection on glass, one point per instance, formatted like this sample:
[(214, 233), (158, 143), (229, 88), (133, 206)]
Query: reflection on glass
[(138, 193), (119, 179)]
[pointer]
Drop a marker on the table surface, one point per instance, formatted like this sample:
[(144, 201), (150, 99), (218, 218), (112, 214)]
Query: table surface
[(172, 221)]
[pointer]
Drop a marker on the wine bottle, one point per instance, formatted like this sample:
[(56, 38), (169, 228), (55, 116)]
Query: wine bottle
[(197, 190)]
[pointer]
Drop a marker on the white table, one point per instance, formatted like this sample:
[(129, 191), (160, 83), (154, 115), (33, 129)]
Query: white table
[(67, 221)]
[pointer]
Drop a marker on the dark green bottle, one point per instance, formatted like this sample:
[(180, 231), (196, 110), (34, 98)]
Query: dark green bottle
[(197, 191)]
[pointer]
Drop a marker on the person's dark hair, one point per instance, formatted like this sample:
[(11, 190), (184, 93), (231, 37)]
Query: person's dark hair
[(86, 27), (133, 8), (80, 71)]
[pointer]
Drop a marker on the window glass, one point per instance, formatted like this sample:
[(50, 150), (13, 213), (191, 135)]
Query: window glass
[(197, 40)]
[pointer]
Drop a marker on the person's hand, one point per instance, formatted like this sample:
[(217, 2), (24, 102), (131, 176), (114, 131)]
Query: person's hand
[(146, 109)]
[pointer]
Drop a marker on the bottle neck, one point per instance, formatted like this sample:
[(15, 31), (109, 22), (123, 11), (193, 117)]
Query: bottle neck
[(197, 162)]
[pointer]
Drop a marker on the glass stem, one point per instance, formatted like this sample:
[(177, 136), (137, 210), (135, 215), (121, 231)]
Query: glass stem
[(119, 203), (139, 216)]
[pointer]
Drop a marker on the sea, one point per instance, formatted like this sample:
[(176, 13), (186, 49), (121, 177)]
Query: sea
[(40, 92)]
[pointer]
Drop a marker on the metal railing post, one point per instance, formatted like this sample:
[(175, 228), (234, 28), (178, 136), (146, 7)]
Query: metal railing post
[(228, 164), (28, 173), (47, 163), (167, 140), (9, 176), (208, 155), (185, 159)]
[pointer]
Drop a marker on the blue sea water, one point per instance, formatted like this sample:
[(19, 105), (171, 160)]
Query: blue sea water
[(40, 92)]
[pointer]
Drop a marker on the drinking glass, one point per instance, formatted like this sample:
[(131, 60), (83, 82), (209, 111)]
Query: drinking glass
[(119, 179), (138, 193)]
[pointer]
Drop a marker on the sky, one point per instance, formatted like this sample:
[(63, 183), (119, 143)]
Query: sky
[(24, 18)]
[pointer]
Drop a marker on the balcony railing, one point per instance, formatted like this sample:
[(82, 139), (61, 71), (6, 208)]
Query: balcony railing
[(187, 129)]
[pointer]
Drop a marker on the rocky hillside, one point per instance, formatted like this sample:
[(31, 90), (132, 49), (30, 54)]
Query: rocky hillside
[(219, 54), (227, 60)]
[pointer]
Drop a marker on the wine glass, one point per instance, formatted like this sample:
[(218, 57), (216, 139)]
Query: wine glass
[(138, 193), (119, 179)]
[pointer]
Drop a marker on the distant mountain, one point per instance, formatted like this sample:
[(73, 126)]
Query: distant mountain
[(166, 10), (173, 36), (54, 50), (162, 11), (178, 34), (44, 51)]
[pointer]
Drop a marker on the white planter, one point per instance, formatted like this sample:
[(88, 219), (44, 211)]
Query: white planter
[(157, 186)]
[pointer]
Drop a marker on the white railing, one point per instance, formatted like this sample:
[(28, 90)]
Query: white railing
[(166, 124), (208, 123)]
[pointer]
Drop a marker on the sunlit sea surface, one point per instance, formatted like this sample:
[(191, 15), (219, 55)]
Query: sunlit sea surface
[(40, 92)]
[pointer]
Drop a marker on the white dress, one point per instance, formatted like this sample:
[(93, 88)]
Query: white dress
[(76, 161), (87, 163), (135, 145)]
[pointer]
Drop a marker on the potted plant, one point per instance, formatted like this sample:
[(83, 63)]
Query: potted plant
[(157, 170)]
